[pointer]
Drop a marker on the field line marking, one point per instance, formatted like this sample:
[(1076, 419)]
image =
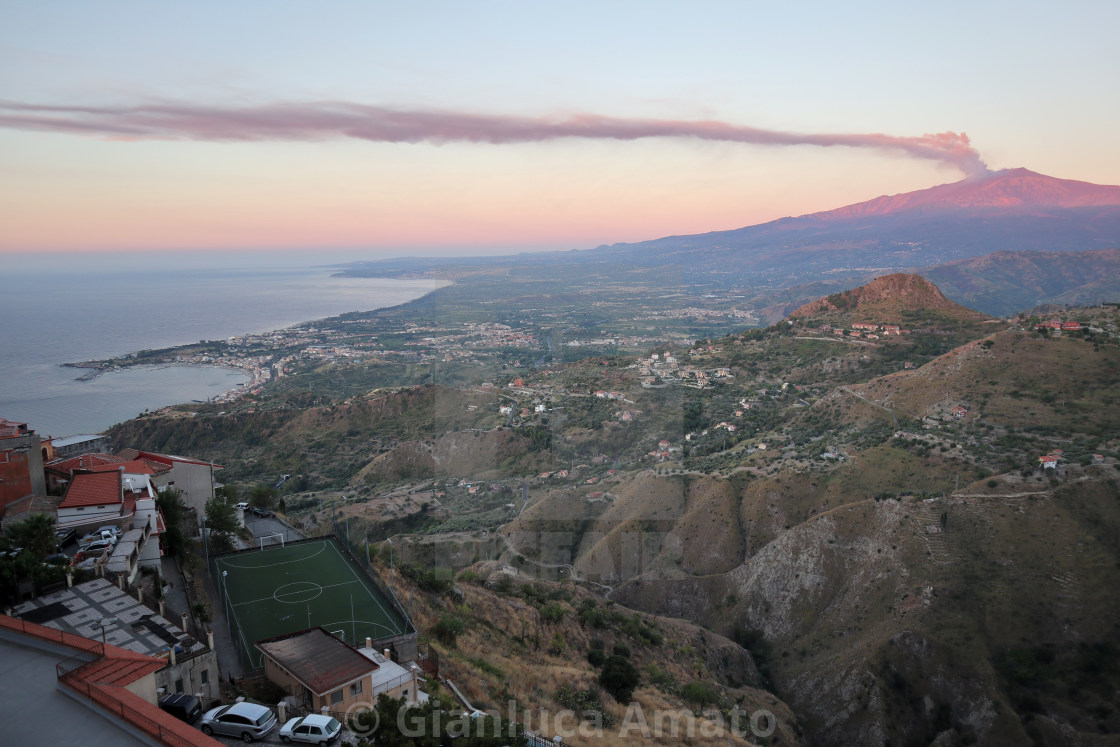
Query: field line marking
[(373, 592), (274, 599), (225, 561)]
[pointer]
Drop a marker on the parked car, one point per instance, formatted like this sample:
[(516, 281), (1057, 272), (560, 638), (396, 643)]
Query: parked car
[(313, 729), (114, 530), (87, 555), (65, 536), (242, 506), (60, 558), (87, 564), (263, 512), (246, 720), (97, 545), (182, 706), (97, 537)]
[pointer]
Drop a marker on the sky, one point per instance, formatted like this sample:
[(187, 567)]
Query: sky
[(451, 128)]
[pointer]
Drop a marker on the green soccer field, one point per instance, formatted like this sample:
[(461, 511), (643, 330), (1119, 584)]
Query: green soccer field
[(281, 590)]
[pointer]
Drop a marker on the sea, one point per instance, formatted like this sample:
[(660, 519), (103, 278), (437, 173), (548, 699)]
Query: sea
[(60, 309)]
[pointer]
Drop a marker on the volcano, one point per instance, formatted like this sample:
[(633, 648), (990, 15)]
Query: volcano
[(1011, 210)]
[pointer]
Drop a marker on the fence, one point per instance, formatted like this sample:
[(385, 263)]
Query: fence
[(378, 584), (51, 635), (112, 701), (170, 736)]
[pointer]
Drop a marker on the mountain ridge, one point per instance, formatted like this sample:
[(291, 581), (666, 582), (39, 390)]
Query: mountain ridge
[(1010, 189)]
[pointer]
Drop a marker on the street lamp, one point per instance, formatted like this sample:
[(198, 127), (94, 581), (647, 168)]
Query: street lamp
[(346, 515), (391, 574), (225, 594), (102, 623)]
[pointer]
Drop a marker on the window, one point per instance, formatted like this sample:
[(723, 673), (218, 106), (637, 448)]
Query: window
[(356, 688), (204, 678), (336, 697), (178, 686)]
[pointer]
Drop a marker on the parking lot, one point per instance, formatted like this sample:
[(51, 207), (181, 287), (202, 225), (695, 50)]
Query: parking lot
[(262, 526)]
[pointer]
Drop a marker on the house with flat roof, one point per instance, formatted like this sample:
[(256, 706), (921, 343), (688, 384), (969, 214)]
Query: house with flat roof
[(97, 609), (74, 689), (324, 673)]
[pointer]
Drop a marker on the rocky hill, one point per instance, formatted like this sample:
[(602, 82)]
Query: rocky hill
[(889, 299)]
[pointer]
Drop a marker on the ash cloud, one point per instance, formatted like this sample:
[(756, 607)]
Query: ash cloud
[(330, 120)]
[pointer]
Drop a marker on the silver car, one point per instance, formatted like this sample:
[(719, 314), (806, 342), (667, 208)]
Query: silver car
[(246, 720), (314, 729)]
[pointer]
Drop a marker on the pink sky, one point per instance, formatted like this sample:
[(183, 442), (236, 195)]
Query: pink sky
[(512, 126)]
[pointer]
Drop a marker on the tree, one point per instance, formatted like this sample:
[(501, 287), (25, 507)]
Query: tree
[(619, 678), (447, 629), (35, 534), (262, 495), (221, 520), (174, 510)]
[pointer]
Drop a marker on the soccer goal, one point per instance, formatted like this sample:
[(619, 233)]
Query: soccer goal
[(272, 540)]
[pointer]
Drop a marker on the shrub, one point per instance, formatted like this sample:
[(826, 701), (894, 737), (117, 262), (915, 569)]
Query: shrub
[(447, 629), (619, 678), (553, 612), (559, 644), (700, 692)]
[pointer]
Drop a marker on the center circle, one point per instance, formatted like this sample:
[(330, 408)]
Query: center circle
[(305, 592)]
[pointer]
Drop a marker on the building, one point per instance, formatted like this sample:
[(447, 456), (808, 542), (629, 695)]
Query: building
[(184, 663), (71, 446), (21, 463), (136, 471), (75, 689), (194, 479), (95, 498), (320, 672)]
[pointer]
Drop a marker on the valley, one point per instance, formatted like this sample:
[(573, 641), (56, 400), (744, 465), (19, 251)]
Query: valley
[(863, 517)]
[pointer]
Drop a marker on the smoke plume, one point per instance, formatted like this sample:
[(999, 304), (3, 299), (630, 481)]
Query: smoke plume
[(326, 120)]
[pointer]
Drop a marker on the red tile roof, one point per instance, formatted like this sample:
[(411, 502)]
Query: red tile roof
[(317, 659), (108, 462), (167, 459), (93, 489)]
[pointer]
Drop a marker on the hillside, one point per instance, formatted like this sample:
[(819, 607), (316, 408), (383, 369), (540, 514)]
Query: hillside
[(858, 522), (906, 578), (897, 299), (1004, 283)]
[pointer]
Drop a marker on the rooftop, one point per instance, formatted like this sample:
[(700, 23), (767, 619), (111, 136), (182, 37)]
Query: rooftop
[(38, 661), (317, 659), (93, 489), (78, 439), (108, 463), (79, 611)]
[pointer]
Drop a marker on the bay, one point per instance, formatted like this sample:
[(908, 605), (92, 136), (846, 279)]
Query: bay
[(59, 310)]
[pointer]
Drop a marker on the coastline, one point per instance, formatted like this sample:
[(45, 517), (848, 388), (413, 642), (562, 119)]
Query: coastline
[(257, 375)]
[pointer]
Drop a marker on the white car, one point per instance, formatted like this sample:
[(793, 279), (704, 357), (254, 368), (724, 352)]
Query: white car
[(313, 729), (242, 506)]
